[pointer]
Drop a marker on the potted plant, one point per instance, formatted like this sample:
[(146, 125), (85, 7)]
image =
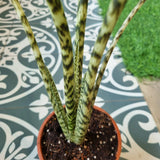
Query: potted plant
[(79, 126), (140, 52)]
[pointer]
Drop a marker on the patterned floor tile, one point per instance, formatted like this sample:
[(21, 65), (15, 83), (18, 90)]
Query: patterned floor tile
[(24, 103)]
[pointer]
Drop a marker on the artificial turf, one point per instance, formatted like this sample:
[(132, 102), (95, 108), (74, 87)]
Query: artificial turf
[(140, 42)]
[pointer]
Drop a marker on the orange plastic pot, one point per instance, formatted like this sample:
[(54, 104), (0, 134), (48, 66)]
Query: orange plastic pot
[(39, 148)]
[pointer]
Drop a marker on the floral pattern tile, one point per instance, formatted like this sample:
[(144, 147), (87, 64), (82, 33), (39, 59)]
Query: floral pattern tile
[(24, 102)]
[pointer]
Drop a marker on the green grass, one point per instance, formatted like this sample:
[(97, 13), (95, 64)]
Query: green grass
[(140, 42)]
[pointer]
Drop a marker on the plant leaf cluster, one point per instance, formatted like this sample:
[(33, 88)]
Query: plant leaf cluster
[(80, 93)]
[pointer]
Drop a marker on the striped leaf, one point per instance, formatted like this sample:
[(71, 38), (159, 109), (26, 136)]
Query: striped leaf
[(85, 106), (46, 76), (58, 15), (79, 45), (112, 46)]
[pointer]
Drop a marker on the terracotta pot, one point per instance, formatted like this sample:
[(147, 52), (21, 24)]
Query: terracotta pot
[(39, 148), (151, 92)]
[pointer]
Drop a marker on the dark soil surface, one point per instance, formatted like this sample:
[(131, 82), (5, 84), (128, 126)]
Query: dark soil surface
[(100, 142)]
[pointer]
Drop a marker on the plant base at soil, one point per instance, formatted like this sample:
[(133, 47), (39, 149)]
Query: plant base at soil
[(101, 141)]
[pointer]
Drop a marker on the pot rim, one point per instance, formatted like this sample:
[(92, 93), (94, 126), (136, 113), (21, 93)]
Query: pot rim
[(39, 148)]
